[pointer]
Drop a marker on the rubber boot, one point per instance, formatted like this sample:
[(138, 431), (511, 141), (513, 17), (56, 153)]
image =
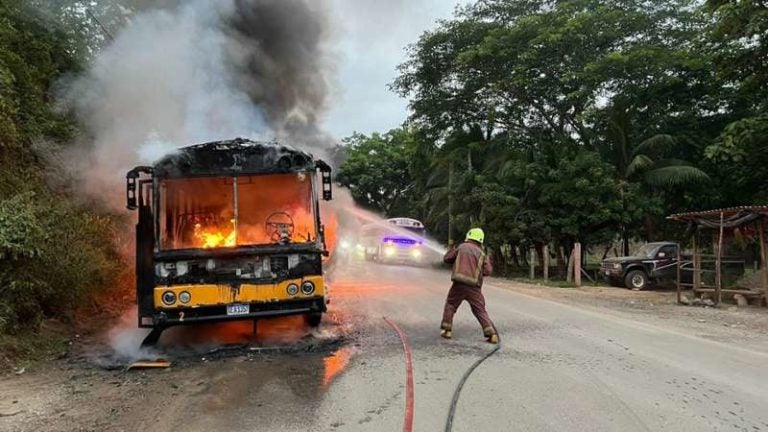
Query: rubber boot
[(490, 335)]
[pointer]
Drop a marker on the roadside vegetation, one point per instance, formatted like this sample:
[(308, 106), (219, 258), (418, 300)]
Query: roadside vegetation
[(544, 122), (578, 120), (56, 249)]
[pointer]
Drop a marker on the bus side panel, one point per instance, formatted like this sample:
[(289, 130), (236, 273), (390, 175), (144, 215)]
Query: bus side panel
[(145, 271)]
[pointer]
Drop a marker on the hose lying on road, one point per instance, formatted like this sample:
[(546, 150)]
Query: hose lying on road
[(457, 392), (408, 420)]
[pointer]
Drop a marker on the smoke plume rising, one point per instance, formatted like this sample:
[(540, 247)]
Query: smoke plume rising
[(198, 71), (183, 72), (280, 62)]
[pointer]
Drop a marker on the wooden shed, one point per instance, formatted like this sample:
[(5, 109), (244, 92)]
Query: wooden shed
[(722, 222)]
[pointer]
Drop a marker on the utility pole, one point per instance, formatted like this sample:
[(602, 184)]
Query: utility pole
[(450, 203)]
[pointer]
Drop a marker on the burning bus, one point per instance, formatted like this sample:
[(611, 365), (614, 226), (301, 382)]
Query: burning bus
[(229, 230), (397, 240)]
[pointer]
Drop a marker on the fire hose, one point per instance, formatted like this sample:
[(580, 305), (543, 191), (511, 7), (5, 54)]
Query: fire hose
[(457, 392), (408, 419)]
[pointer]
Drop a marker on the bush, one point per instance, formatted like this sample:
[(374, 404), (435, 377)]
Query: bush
[(53, 256)]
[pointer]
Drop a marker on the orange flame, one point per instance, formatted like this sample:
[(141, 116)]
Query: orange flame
[(211, 238)]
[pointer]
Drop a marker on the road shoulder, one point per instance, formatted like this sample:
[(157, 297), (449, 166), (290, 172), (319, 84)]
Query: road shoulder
[(744, 327)]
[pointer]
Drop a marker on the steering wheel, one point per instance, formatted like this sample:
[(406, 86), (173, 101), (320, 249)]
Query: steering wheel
[(280, 227)]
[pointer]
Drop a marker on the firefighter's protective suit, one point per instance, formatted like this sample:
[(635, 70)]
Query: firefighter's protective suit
[(470, 264)]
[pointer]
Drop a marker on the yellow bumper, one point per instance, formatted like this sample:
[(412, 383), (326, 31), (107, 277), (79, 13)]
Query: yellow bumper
[(213, 295)]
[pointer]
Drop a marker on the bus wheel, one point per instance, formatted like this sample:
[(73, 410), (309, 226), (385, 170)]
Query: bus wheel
[(313, 319)]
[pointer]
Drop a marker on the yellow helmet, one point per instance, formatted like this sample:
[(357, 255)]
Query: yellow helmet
[(476, 234)]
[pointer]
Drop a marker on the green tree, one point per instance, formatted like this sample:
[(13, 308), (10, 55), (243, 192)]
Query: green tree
[(624, 78), (739, 154), (741, 48), (376, 171), (53, 252)]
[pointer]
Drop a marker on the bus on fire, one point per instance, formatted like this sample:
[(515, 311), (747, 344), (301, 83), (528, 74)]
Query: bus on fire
[(229, 230)]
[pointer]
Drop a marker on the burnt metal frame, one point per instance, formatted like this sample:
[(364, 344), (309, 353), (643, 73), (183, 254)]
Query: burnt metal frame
[(147, 200), (320, 234)]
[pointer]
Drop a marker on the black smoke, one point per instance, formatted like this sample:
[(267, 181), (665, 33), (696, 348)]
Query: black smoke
[(282, 62)]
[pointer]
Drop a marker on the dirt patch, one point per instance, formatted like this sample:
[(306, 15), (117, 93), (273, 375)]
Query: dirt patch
[(747, 327), (21, 352), (88, 393)]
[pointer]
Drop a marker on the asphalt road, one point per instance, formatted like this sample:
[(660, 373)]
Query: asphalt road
[(561, 367)]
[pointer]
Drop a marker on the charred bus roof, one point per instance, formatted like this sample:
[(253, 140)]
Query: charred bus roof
[(232, 158)]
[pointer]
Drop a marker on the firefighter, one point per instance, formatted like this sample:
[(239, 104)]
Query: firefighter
[(470, 264)]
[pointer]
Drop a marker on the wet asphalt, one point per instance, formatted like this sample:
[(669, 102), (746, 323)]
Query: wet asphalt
[(561, 367)]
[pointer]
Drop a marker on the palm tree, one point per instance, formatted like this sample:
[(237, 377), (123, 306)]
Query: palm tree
[(648, 161), (645, 161)]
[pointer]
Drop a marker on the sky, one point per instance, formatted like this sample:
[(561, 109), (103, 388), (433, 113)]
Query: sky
[(369, 41)]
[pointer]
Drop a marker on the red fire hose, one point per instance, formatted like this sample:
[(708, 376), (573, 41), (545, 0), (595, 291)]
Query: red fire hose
[(408, 421)]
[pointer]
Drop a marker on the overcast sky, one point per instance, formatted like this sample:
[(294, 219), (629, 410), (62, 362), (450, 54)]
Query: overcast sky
[(371, 36)]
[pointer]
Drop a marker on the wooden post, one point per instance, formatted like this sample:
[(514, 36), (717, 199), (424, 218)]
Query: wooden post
[(450, 204), (545, 265), (679, 281), (719, 262), (577, 264), (533, 263), (562, 262), (696, 261), (763, 256)]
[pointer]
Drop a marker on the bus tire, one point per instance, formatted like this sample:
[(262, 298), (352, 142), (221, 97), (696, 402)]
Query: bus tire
[(313, 319)]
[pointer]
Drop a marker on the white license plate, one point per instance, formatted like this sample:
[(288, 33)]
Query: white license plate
[(238, 309)]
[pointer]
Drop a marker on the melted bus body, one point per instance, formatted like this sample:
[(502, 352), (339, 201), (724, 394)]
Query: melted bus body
[(397, 241), (229, 230)]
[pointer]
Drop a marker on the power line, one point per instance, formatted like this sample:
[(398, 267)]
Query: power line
[(103, 29)]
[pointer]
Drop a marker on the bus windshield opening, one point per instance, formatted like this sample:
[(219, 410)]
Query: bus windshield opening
[(218, 212)]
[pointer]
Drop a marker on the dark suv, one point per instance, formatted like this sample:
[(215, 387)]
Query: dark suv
[(652, 264)]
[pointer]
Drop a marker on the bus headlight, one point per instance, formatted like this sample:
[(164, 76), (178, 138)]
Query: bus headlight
[(182, 268), (161, 271), (307, 288), (292, 289), (185, 297), (416, 253), (389, 251), (169, 298)]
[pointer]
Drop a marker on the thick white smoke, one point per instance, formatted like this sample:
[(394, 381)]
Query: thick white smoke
[(200, 71), (192, 71)]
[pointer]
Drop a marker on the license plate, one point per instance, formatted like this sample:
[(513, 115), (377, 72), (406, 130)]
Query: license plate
[(238, 309)]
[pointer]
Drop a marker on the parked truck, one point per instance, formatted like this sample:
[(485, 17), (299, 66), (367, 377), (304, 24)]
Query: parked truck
[(655, 264), (652, 264)]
